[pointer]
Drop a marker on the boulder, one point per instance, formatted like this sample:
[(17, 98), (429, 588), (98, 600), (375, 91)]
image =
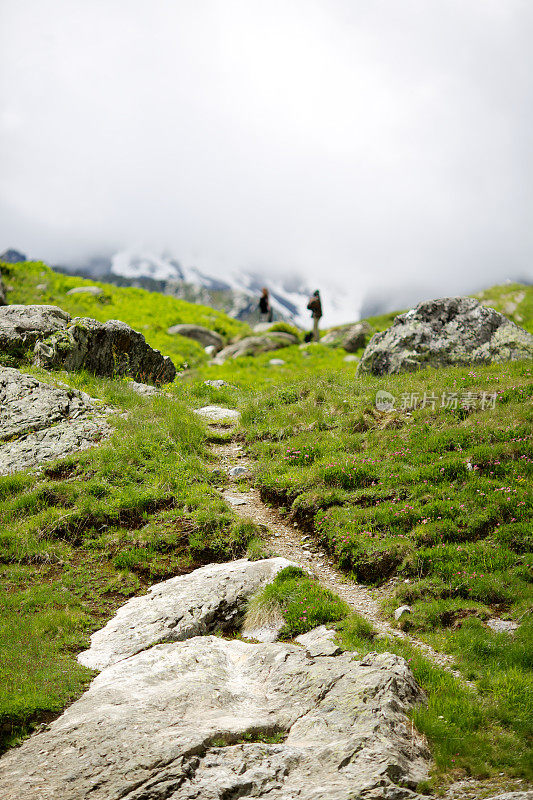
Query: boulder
[(277, 362), (94, 290), (446, 332), (349, 337), (210, 598), (215, 719), (218, 414), (109, 349), (319, 642), (40, 422), (22, 326), (204, 336), (254, 345), (502, 625), (239, 472)]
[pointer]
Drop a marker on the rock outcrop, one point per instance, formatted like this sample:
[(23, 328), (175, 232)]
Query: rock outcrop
[(40, 422), (59, 342), (446, 332), (319, 642), (210, 598), (109, 349), (212, 718), (22, 326), (349, 337), (204, 336), (186, 720), (254, 345)]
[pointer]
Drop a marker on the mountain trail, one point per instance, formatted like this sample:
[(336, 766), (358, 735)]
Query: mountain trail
[(304, 550)]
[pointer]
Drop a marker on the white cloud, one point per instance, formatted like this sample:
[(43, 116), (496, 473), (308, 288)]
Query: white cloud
[(376, 141)]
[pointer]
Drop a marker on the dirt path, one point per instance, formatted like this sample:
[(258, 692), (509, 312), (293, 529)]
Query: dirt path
[(303, 550)]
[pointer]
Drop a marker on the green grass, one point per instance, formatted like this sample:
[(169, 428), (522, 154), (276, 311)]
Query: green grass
[(150, 313), (483, 734), (432, 504), (94, 529), (299, 600)]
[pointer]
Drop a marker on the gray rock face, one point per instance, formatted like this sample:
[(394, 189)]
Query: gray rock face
[(502, 625), (212, 597), (108, 349), (218, 414), (41, 422), (21, 326), (349, 337), (94, 290), (319, 642), (446, 332), (169, 723), (239, 472), (143, 389), (254, 345), (204, 336)]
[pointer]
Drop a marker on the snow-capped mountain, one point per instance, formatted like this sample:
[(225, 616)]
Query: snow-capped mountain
[(236, 293)]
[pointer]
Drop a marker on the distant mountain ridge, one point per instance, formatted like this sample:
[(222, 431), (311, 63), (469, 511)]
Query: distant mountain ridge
[(237, 293)]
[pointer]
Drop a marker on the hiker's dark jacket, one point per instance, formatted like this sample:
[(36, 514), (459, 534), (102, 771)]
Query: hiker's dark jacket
[(315, 306)]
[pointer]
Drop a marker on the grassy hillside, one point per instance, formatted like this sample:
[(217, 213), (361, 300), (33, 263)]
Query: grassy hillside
[(430, 504), (148, 312), (92, 530)]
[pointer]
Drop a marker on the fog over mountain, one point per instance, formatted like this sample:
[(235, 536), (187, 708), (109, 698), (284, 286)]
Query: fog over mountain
[(373, 148)]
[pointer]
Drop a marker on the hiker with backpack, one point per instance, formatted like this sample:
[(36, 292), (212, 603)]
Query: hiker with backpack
[(315, 306), (264, 306)]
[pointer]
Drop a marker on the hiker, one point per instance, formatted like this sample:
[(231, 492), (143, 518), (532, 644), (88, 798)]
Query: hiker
[(315, 306), (264, 306)]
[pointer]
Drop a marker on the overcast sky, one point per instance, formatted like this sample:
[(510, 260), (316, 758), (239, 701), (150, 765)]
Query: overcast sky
[(382, 141)]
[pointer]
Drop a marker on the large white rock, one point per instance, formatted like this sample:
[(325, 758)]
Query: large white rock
[(210, 598), (181, 721)]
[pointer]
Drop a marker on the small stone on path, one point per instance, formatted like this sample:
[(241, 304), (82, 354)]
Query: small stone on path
[(218, 414)]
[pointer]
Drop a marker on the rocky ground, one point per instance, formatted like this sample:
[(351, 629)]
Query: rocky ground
[(211, 717)]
